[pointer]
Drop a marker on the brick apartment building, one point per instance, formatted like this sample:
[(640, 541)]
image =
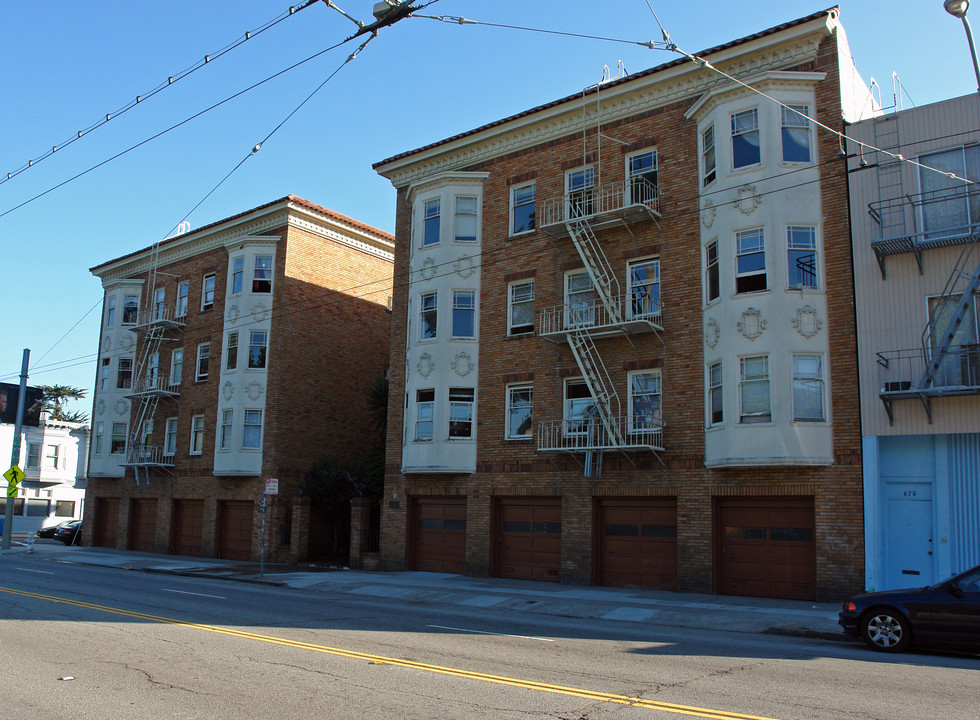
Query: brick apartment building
[(625, 322), (230, 354)]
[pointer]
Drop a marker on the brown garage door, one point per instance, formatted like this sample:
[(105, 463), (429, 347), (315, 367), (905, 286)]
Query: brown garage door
[(637, 540), (187, 527), (766, 547), (106, 531), (528, 538), (234, 530), (439, 535), (142, 524)]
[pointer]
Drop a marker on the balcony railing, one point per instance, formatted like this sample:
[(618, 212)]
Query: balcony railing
[(160, 316), (150, 385), (583, 435), (638, 199), (630, 313), (902, 371), (148, 456)]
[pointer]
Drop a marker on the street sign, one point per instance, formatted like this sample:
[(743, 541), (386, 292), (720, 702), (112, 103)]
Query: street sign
[(14, 475), (272, 486)]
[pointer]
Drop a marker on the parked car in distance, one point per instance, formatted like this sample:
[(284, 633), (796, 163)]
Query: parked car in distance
[(946, 615), (48, 532), (68, 531)]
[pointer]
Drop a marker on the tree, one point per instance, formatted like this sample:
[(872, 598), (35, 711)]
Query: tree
[(55, 399)]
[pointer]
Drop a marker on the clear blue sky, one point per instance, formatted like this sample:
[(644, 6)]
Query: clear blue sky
[(68, 63)]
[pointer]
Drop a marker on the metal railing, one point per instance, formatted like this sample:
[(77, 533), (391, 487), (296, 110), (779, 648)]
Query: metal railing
[(590, 434), (159, 315), (901, 372), (149, 385), (146, 455), (630, 312), (610, 198), (935, 218)]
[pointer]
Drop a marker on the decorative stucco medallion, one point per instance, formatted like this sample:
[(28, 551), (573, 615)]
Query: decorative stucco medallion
[(254, 390), (228, 390), (462, 364), (708, 213), (464, 266), (751, 325), (428, 269), (233, 313), (121, 407), (806, 322), (100, 407), (748, 200), (107, 343), (126, 342), (426, 365), (711, 333), (260, 312)]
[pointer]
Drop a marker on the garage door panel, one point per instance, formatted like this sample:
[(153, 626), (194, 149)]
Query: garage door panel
[(637, 542), (235, 529), (107, 530), (528, 538), (438, 542), (142, 524)]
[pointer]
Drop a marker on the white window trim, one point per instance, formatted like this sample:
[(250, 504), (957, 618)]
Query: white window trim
[(265, 358), (475, 215), (472, 415), (566, 420), (511, 304), (170, 433), (803, 108), (630, 414), (234, 272), (741, 381), (261, 425), (452, 317), (182, 303), (431, 404), (823, 387), (509, 406), (732, 136), (513, 205), (816, 257), (204, 290), (765, 272), (425, 204), (225, 438), (655, 314), (630, 175), (709, 177), (177, 367), (708, 387), (194, 431), (707, 267), (198, 377), (434, 309)]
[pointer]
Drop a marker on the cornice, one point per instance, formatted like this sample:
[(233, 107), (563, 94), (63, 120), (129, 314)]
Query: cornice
[(765, 82), (341, 238)]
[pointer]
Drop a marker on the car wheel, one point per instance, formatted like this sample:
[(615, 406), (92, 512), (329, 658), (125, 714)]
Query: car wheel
[(886, 630)]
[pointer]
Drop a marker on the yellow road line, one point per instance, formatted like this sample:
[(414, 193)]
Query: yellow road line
[(411, 664)]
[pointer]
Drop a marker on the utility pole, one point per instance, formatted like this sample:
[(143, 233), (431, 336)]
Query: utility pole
[(8, 516)]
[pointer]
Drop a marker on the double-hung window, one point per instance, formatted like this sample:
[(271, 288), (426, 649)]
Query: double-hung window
[(224, 436), (641, 169), (712, 276), (716, 413), (428, 316), (117, 443), (466, 218), (579, 192), (430, 222), (131, 309), (159, 303), (745, 139), (110, 310), (124, 374), (183, 292), (522, 209), (461, 413), (753, 389), (104, 374), (197, 435), (750, 261), (808, 388), (801, 252), (949, 206), (579, 407), (519, 402), (258, 343), (520, 307), (33, 455), (252, 430), (231, 351), (153, 371), (170, 437), (646, 410), (262, 276), (796, 133), (99, 437), (464, 314), (207, 292), (176, 366), (644, 280), (580, 299), (237, 274), (708, 155), (203, 360), (425, 401)]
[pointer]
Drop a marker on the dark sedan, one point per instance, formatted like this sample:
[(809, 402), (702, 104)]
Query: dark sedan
[(68, 532), (946, 615), (50, 530)]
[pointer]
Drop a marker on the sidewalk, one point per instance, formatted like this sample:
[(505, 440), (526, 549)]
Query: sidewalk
[(687, 610)]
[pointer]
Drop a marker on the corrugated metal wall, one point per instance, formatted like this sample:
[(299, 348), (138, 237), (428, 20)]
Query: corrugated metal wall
[(964, 501)]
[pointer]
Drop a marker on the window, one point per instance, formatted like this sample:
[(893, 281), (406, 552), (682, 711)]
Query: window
[(33, 455), (715, 412), (708, 155), (745, 139), (176, 366), (646, 410), (712, 286), (644, 279), (117, 443), (197, 435), (579, 191), (808, 388), (466, 218), (146, 439), (159, 303), (580, 299), (801, 249), (104, 374), (258, 341), (153, 371), (227, 418), (131, 309), (231, 351), (796, 133), (461, 412), (124, 374), (750, 261), (170, 437), (753, 389), (183, 291), (962, 363), (579, 407), (237, 274), (110, 310), (519, 399), (520, 310), (64, 508), (464, 314), (99, 437), (427, 315), (207, 292), (203, 359), (252, 430), (642, 177), (424, 406), (522, 209), (262, 277), (430, 223), (948, 205)]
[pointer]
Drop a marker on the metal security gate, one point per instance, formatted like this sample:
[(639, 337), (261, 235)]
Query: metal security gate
[(438, 542), (187, 527), (142, 525), (106, 531), (637, 542), (528, 538), (234, 540), (766, 548)]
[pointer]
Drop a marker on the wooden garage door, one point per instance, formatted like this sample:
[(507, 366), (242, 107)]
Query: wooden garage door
[(439, 535), (142, 524), (637, 539), (187, 527), (234, 540), (766, 547), (528, 538), (106, 531)]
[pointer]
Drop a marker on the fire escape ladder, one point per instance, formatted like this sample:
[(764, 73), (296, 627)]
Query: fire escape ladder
[(603, 278), (148, 400), (598, 381), (891, 188)]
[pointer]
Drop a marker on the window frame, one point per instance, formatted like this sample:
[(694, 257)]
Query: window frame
[(177, 366), (708, 155), (522, 204), (231, 350), (647, 299), (131, 310), (33, 459), (740, 254), (203, 354), (754, 417), (514, 305), (586, 192), (110, 310), (798, 118), (118, 437), (426, 311), (237, 275), (460, 312), (124, 369), (246, 425), (569, 403), (633, 187), (738, 135), (183, 298), (462, 413), (657, 414), (572, 317), (258, 341), (226, 429), (516, 406), (263, 275), (99, 437), (799, 378), (105, 370), (431, 222), (159, 303), (196, 435), (715, 394), (458, 215), (207, 290), (791, 232), (426, 418), (170, 437), (712, 272)]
